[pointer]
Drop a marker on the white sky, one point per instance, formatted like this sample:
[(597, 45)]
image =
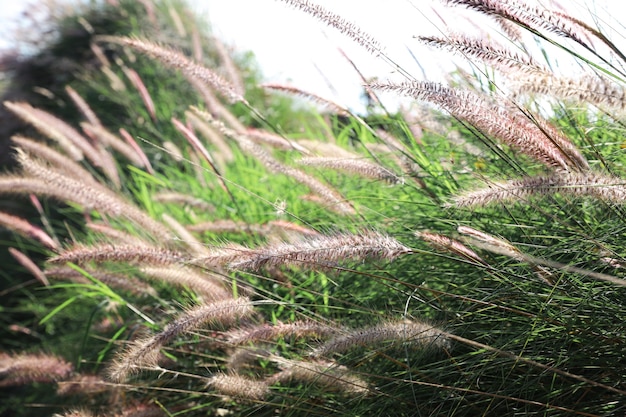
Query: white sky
[(294, 47)]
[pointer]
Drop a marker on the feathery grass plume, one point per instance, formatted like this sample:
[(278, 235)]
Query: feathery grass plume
[(123, 282), (421, 118), (89, 195), (327, 149), (26, 229), (356, 166), (63, 163), (281, 229), (328, 375), (30, 186), (593, 89), (591, 184), (238, 386), (561, 141), (339, 23), (535, 18), (184, 199), (612, 262), (133, 144), (58, 160), (100, 55), (100, 253), (183, 235), (82, 385), (109, 166), (145, 353), (178, 22), (224, 226), (328, 194), (284, 231), (101, 134), (274, 140), (390, 140), (198, 170), (24, 368), (232, 72), (237, 133), (202, 151), (75, 413), (291, 228), (137, 82), (526, 132), (322, 252), (29, 265), (143, 410), (36, 118), (224, 255), (243, 358), (450, 245), (369, 95), (393, 154), (177, 60), (333, 106), (224, 153), (205, 285), (116, 82), (173, 150), (83, 106), (591, 33), (510, 29), (116, 235), (513, 128), (267, 332), (196, 44), (502, 247), (217, 109), (410, 332), (72, 142), (490, 53), (43, 216)]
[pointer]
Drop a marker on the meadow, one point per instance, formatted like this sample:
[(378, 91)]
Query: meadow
[(182, 238)]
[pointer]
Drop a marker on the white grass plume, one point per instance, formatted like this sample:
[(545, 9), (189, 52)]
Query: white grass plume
[(410, 332), (317, 252), (533, 137), (145, 352), (177, 60), (591, 184)]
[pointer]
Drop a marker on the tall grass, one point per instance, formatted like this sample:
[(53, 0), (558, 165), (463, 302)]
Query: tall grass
[(201, 246)]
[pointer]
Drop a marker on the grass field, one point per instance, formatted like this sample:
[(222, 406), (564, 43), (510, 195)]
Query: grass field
[(183, 239)]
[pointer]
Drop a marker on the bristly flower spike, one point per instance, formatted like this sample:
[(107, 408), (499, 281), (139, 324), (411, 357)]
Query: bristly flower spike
[(177, 60), (144, 353)]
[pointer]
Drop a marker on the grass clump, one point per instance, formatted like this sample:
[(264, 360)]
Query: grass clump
[(200, 245)]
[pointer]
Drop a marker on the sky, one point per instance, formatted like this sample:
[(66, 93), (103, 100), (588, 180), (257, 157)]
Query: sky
[(293, 47)]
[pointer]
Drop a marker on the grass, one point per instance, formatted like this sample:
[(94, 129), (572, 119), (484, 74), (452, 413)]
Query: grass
[(227, 277)]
